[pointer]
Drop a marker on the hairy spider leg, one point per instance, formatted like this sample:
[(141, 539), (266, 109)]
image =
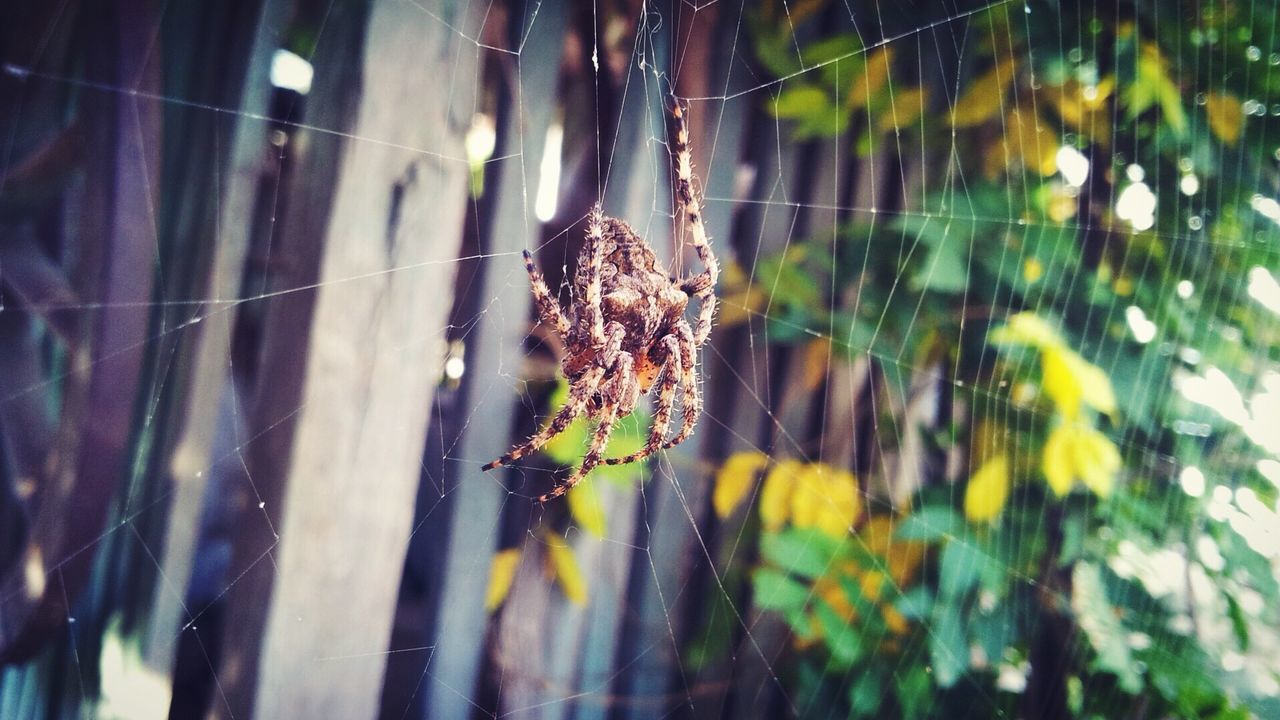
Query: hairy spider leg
[(703, 284), (692, 401), (548, 306), (595, 258), (663, 407), (579, 392), (622, 393)]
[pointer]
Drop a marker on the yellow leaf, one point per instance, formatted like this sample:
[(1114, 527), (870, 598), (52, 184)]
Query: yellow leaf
[(903, 558), (1123, 286), (1032, 270), (1024, 393), (1069, 379), (565, 567), (816, 362), (872, 584), (828, 588), (502, 571), (1027, 328), (1061, 207), (775, 497), (894, 620), (988, 490), (740, 299), (1098, 393), (737, 308), (907, 107), (1031, 140), (877, 534), (1075, 451), (1153, 86), (981, 102), (734, 480), (587, 509), (1057, 462), (1061, 382), (1085, 108), (1097, 461), (825, 498), (1226, 116), (873, 78), (801, 10)]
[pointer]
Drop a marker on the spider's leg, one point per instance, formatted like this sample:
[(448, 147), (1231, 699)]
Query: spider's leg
[(579, 392), (608, 356), (617, 391), (691, 402), (593, 314), (706, 313), (548, 306), (663, 407), (703, 284)]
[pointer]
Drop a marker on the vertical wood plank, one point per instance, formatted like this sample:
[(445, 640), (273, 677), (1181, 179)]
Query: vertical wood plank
[(562, 664), (494, 355), (277, 396), (192, 454), (668, 541), (638, 192), (374, 353)]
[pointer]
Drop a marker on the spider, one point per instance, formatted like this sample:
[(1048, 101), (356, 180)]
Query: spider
[(625, 332)]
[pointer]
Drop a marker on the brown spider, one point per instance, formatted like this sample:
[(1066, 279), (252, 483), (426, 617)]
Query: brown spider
[(625, 331)]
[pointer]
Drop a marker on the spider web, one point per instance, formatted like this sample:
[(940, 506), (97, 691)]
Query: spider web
[(805, 366)]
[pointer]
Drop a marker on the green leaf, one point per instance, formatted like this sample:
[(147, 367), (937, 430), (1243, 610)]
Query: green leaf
[(916, 603), (930, 523), (946, 268), (998, 629), (774, 590), (915, 692), (812, 109), (843, 640), (716, 630), (568, 447), (802, 101), (777, 52), (1096, 616), (801, 627), (1153, 86), (807, 553), (1073, 533), (870, 619), (962, 565), (838, 47), (1239, 624), (948, 648), (629, 435), (866, 693), (587, 509), (1248, 562)]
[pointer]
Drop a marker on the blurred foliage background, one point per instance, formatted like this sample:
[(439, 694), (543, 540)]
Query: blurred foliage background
[(992, 420)]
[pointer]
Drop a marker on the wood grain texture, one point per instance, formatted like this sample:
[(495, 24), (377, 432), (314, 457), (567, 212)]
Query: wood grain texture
[(375, 348)]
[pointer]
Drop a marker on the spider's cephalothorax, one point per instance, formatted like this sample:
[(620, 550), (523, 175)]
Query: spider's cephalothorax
[(626, 331)]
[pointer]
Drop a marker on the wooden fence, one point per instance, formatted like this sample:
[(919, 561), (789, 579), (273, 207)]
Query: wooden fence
[(227, 314)]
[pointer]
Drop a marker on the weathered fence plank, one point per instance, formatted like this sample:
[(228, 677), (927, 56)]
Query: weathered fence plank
[(494, 351), (638, 192), (376, 349), (668, 542), (192, 455)]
